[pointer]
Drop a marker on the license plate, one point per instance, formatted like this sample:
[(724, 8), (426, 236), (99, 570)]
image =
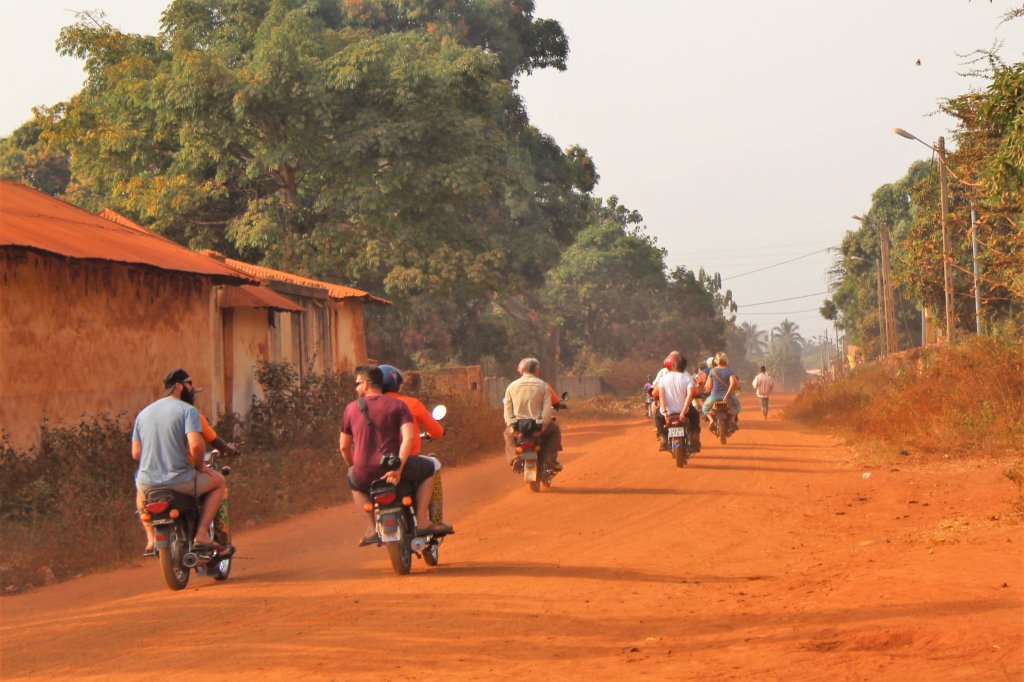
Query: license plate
[(677, 432), (530, 470)]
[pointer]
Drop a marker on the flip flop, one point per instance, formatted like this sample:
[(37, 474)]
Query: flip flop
[(149, 551), (369, 540), (206, 546)]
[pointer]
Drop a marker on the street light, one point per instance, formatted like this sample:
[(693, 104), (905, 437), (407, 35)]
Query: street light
[(947, 274)]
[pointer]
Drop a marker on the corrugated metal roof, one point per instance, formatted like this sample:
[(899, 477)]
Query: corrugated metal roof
[(33, 220), (338, 292), (249, 296)]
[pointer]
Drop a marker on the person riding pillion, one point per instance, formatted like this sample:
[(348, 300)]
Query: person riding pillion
[(530, 397), (374, 425), (722, 384), (168, 444), (675, 391)]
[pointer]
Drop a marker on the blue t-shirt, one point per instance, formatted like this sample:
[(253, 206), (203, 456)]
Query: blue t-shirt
[(161, 428), (719, 388)]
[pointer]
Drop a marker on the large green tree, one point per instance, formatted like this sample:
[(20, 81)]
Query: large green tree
[(380, 143)]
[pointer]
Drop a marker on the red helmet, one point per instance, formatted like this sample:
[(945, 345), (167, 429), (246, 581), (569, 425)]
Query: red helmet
[(667, 362)]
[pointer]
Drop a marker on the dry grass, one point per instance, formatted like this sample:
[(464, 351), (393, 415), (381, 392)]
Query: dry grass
[(67, 507), (942, 403)]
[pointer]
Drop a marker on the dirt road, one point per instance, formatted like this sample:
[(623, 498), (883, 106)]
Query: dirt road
[(769, 558)]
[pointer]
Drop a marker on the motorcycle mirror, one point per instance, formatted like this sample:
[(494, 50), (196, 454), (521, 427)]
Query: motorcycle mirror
[(565, 395), (439, 412)]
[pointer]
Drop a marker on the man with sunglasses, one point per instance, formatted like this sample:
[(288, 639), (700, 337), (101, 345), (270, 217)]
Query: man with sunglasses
[(168, 444)]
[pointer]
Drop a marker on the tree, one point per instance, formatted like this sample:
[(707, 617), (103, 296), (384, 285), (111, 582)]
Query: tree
[(605, 287), (28, 157), (755, 341), (374, 142)]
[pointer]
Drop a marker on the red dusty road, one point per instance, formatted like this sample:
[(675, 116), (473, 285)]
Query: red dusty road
[(769, 558)]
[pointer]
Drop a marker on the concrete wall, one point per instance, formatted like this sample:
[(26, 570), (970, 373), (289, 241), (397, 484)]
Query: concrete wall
[(579, 387), (79, 338)]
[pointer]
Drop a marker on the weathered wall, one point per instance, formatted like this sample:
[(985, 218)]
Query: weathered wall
[(348, 323), (86, 337), (246, 343), (579, 387)]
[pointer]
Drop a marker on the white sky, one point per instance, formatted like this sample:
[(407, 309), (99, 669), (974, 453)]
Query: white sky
[(745, 132)]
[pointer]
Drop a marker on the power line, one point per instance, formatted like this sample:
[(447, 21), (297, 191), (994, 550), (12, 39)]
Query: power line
[(780, 300), (791, 312), (760, 248), (775, 265)]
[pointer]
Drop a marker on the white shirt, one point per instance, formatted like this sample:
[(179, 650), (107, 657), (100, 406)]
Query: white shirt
[(763, 385), (673, 388)]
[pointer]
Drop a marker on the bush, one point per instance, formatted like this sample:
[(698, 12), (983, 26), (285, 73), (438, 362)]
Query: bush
[(69, 505), (955, 401)]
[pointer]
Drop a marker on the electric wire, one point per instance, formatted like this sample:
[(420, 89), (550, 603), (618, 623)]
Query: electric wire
[(775, 265), (780, 300)]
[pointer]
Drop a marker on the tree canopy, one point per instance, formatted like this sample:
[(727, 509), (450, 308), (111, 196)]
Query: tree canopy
[(379, 143)]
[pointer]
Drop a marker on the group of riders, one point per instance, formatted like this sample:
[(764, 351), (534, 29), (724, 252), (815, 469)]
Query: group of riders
[(675, 392), (170, 436)]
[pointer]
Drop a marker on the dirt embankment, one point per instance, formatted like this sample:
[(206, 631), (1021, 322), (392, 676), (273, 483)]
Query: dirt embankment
[(774, 557)]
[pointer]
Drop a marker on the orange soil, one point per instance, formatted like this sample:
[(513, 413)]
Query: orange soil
[(769, 558)]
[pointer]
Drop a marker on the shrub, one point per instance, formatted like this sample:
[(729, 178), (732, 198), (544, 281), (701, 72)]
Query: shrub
[(955, 401), (69, 504)]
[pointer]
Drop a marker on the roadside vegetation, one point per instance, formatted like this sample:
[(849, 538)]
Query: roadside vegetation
[(68, 507), (929, 404)]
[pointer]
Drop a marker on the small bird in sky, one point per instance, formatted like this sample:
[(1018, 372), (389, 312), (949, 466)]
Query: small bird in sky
[(918, 62)]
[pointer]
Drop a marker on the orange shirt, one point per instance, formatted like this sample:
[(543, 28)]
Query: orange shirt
[(423, 421), (208, 433)]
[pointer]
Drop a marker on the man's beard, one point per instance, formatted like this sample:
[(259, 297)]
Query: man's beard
[(188, 395)]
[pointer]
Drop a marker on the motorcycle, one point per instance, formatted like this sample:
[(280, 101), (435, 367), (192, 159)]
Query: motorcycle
[(394, 518), (677, 431), (722, 423), (650, 403), (528, 446), (175, 518)]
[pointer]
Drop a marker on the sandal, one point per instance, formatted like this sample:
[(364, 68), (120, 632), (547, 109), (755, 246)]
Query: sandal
[(149, 551), (369, 540)]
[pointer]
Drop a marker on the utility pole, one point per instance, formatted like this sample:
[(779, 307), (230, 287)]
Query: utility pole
[(889, 305), (947, 253), (882, 349), (977, 286)]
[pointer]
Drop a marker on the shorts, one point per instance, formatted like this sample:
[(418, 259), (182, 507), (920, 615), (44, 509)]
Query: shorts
[(197, 486), (416, 470)]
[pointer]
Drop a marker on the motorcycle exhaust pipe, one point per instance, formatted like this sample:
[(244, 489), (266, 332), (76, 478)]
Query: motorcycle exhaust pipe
[(418, 544), (190, 560)]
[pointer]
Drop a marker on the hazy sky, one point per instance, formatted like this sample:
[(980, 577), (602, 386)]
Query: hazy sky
[(745, 132)]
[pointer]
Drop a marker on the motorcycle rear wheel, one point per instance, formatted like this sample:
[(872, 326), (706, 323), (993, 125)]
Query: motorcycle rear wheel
[(400, 551), (679, 454), (723, 429), (176, 575)]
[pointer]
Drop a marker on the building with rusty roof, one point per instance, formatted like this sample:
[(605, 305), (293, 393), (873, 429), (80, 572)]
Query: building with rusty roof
[(95, 309)]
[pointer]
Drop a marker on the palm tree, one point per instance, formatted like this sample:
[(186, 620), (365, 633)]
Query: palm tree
[(786, 340), (754, 340)]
